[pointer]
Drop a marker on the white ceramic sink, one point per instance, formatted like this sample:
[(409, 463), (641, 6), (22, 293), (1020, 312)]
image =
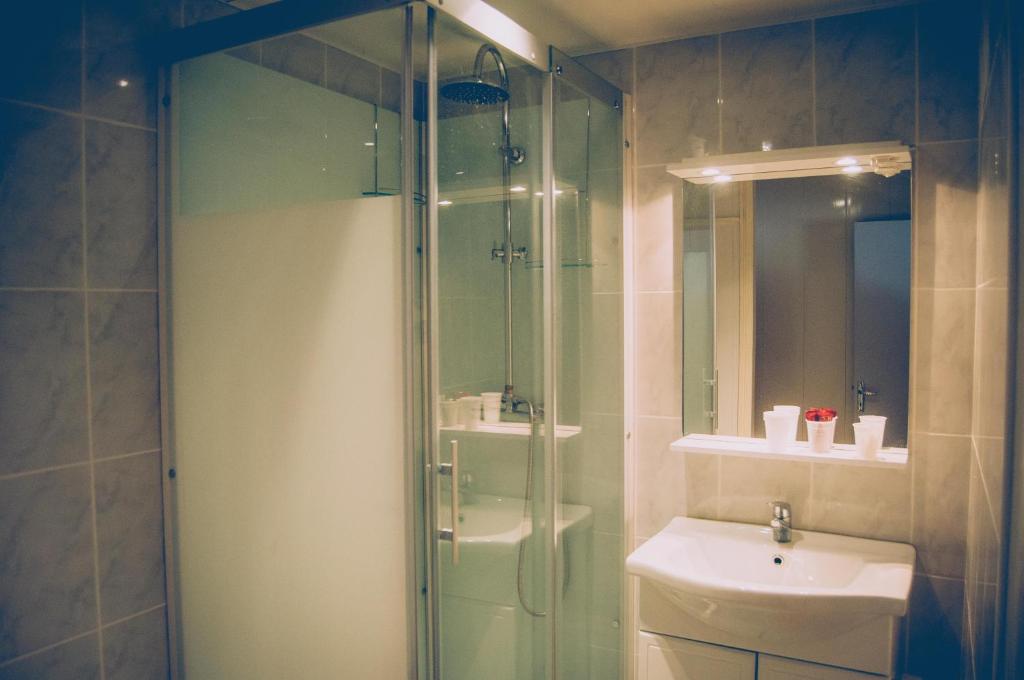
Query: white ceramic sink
[(735, 578)]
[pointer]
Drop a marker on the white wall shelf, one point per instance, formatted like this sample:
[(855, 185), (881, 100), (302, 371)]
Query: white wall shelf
[(751, 447), (506, 429)]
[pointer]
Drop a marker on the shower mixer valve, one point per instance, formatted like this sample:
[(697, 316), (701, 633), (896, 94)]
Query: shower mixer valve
[(498, 253)]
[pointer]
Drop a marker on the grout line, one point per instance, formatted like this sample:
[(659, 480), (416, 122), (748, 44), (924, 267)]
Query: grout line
[(88, 366), (34, 289), (814, 82), (76, 114), (721, 101), (39, 471), (119, 456), (135, 615), (34, 652), (917, 76), (79, 636)]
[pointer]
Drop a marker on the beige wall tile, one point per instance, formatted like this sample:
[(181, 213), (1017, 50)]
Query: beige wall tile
[(659, 230), (748, 485), (861, 501), (941, 464), (702, 475), (864, 77), (659, 354), (945, 214), (661, 480), (990, 351), (766, 88), (942, 339), (677, 94)]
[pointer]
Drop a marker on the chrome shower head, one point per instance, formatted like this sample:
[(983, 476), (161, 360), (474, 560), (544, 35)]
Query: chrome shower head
[(474, 90)]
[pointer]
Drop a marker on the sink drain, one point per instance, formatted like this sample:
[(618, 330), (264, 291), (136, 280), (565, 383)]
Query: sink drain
[(777, 560)]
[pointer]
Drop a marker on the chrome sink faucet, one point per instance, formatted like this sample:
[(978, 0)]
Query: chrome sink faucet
[(782, 522)]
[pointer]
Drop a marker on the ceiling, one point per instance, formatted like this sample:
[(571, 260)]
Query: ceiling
[(584, 26)]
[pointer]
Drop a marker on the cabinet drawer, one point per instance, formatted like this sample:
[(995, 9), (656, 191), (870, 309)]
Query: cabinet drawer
[(776, 668), (668, 658)]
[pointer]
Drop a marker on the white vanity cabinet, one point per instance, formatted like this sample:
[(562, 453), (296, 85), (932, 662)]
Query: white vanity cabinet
[(776, 668), (668, 658), (662, 657)]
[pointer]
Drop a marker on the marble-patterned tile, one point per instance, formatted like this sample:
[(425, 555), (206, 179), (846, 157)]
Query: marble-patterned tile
[(991, 454), (749, 485), (120, 84), (991, 350), (942, 354), (766, 88), (120, 204), (660, 474), (677, 100), (40, 198), (124, 372), (659, 354), (75, 660), (350, 75), (295, 55), (120, 74), (47, 592), (949, 36), (935, 627), (702, 475), (941, 469), (659, 230), (864, 79), (993, 213), (945, 215), (41, 49), (129, 535), (861, 501), (42, 380), (136, 649), (615, 66)]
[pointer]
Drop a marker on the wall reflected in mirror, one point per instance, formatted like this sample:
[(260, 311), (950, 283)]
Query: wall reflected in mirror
[(796, 291)]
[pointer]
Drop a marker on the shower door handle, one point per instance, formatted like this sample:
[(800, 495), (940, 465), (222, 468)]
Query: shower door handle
[(451, 470)]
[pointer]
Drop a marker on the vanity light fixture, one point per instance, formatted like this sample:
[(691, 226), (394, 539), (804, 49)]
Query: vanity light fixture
[(517, 189), (444, 203), (883, 158)]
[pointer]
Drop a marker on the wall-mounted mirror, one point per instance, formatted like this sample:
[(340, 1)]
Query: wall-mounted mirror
[(796, 290)]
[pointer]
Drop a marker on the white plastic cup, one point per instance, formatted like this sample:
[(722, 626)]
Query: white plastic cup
[(877, 422), (492, 406), (469, 411), (865, 436), (793, 412), (776, 430), (449, 412), (820, 435)]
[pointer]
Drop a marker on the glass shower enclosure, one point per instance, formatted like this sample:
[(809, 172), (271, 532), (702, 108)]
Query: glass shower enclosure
[(392, 307)]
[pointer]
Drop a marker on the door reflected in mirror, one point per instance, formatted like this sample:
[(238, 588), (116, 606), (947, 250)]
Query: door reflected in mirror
[(796, 291)]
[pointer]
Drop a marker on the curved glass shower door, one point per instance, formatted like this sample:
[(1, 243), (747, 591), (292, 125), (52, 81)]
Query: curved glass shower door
[(488, 316), (286, 234)]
